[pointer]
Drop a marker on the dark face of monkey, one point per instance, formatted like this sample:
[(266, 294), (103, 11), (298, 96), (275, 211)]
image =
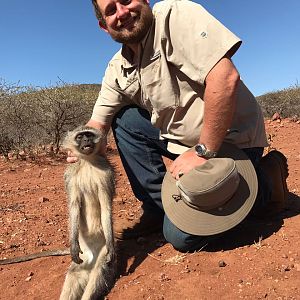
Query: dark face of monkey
[(85, 142)]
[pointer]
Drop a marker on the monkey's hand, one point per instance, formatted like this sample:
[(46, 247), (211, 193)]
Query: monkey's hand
[(110, 257), (75, 250)]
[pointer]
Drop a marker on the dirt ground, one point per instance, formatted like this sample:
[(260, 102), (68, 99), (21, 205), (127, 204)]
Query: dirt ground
[(260, 258)]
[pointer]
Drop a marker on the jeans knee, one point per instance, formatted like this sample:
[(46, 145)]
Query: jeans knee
[(174, 239), (181, 241)]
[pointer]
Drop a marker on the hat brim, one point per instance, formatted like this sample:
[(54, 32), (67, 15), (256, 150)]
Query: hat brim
[(217, 220)]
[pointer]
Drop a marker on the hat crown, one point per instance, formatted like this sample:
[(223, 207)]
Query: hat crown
[(210, 185)]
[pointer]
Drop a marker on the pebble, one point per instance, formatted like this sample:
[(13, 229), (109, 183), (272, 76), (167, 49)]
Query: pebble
[(285, 268), (222, 263), (43, 199)]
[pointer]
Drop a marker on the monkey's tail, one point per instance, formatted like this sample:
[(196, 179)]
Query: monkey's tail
[(34, 256)]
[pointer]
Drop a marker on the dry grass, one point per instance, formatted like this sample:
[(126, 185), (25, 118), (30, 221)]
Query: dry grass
[(174, 260), (258, 245)]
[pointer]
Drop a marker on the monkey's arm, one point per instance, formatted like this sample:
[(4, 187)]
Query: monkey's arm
[(75, 205)]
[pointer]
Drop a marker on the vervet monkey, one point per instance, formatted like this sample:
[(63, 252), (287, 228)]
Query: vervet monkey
[(90, 187)]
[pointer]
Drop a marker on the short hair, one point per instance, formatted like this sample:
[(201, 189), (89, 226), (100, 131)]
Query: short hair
[(98, 13)]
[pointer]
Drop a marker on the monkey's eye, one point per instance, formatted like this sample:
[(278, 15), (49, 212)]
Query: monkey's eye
[(78, 137)]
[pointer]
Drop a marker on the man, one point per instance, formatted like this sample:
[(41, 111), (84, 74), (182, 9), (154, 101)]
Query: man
[(173, 86)]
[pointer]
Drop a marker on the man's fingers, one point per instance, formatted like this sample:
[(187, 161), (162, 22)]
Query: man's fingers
[(72, 159)]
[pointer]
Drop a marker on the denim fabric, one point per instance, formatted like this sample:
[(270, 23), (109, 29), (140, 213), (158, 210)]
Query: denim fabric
[(141, 153)]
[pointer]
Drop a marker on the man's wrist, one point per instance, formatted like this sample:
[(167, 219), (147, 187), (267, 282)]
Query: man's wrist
[(203, 151)]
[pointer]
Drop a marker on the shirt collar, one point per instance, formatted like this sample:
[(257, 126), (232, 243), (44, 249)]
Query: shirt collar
[(126, 52)]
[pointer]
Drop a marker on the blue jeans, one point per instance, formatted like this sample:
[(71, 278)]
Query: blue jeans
[(141, 153)]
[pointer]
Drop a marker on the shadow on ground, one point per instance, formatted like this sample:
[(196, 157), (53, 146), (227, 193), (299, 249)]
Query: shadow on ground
[(131, 253), (252, 229)]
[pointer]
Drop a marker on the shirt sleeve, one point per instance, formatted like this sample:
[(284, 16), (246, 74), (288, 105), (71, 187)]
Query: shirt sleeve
[(195, 40), (110, 99)]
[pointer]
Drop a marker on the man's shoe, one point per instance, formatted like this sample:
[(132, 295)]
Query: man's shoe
[(147, 223), (274, 165)]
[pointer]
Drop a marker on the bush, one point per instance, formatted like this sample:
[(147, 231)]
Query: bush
[(31, 117), (35, 116), (285, 102)]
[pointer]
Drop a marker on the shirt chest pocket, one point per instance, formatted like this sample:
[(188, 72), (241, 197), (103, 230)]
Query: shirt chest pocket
[(157, 85), (128, 85)]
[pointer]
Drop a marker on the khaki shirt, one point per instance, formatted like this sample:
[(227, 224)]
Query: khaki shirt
[(182, 46)]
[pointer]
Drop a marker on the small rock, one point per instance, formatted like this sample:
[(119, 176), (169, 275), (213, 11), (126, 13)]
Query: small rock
[(285, 268), (43, 199), (41, 243), (276, 117), (30, 274), (222, 263), (164, 277), (28, 278)]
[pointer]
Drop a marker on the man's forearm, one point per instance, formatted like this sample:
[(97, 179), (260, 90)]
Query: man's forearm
[(98, 125)]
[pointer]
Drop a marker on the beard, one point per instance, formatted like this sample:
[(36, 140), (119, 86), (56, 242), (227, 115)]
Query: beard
[(142, 21)]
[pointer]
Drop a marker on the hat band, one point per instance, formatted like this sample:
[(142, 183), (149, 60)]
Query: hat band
[(184, 198)]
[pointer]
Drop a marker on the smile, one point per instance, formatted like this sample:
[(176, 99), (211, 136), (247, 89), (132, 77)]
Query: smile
[(129, 23)]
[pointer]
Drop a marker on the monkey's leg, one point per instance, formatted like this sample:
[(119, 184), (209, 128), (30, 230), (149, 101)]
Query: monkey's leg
[(75, 283), (101, 278)]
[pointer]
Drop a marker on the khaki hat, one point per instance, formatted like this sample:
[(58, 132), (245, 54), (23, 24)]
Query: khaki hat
[(213, 197)]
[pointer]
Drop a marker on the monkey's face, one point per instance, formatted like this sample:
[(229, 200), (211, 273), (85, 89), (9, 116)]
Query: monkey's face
[(86, 142)]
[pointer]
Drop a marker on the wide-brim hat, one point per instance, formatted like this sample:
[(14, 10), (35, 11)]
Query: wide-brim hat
[(214, 197)]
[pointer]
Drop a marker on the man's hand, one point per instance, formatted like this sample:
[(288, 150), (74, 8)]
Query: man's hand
[(185, 163), (72, 158)]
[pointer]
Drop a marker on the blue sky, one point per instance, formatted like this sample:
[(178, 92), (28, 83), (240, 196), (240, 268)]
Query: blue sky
[(42, 41)]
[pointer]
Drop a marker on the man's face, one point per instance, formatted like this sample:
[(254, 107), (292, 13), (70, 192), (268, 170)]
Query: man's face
[(127, 21)]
